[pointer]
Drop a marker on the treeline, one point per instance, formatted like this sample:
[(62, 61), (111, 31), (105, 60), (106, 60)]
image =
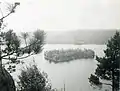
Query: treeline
[(62, 55)]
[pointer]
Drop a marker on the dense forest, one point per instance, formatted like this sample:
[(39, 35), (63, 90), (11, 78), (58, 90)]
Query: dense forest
[(62, 55)]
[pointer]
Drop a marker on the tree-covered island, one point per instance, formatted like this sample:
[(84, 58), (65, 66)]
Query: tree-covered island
[(67, 55)]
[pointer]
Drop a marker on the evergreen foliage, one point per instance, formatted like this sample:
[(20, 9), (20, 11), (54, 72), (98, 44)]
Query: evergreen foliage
[(67, 55), (12, 49), (31, 79), (108, 67)]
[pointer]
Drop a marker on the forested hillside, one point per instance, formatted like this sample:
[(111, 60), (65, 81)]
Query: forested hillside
[(79, 36)]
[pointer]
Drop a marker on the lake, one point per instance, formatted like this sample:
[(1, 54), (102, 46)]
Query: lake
[(73, 74)]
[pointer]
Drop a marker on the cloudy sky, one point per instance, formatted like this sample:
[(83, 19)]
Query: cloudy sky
[(65, 15)]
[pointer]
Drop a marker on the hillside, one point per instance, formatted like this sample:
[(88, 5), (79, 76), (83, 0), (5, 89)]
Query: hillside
[(79, 37)]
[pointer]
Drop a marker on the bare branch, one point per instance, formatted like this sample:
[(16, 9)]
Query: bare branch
[(12, 11), (5, 16)]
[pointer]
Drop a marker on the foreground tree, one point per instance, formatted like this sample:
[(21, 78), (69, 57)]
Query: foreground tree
[(31, 79), (108, 67), (11, 50), (6, 81)]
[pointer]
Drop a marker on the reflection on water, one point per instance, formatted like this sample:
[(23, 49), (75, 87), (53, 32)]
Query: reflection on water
[(74, 74)]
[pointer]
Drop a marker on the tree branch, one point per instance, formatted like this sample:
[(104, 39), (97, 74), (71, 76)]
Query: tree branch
[(17, 51), (19, 57), (6, 58), (12, 11), (1, 12), (5, 16), (25, 56), (21, 49), (107, 84), (8, 54)]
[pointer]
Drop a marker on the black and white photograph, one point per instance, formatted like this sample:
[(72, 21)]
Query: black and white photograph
[(59, 45)]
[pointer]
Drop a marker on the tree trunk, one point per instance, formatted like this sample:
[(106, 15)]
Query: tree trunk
[(113, 80), (6, 80)]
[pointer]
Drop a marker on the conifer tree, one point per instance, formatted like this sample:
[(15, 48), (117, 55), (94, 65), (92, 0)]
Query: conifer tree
[(108, 67), (12, 49)]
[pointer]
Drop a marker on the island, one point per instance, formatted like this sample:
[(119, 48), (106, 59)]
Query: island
[(66, 55)]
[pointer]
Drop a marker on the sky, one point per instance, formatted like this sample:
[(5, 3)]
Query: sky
[(64, 15)]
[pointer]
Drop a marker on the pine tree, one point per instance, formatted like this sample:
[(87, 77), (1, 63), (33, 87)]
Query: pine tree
[(12, 50), (31, 79), (108, 67)]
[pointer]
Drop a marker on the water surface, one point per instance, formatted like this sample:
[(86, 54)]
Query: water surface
[(74, 74)]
